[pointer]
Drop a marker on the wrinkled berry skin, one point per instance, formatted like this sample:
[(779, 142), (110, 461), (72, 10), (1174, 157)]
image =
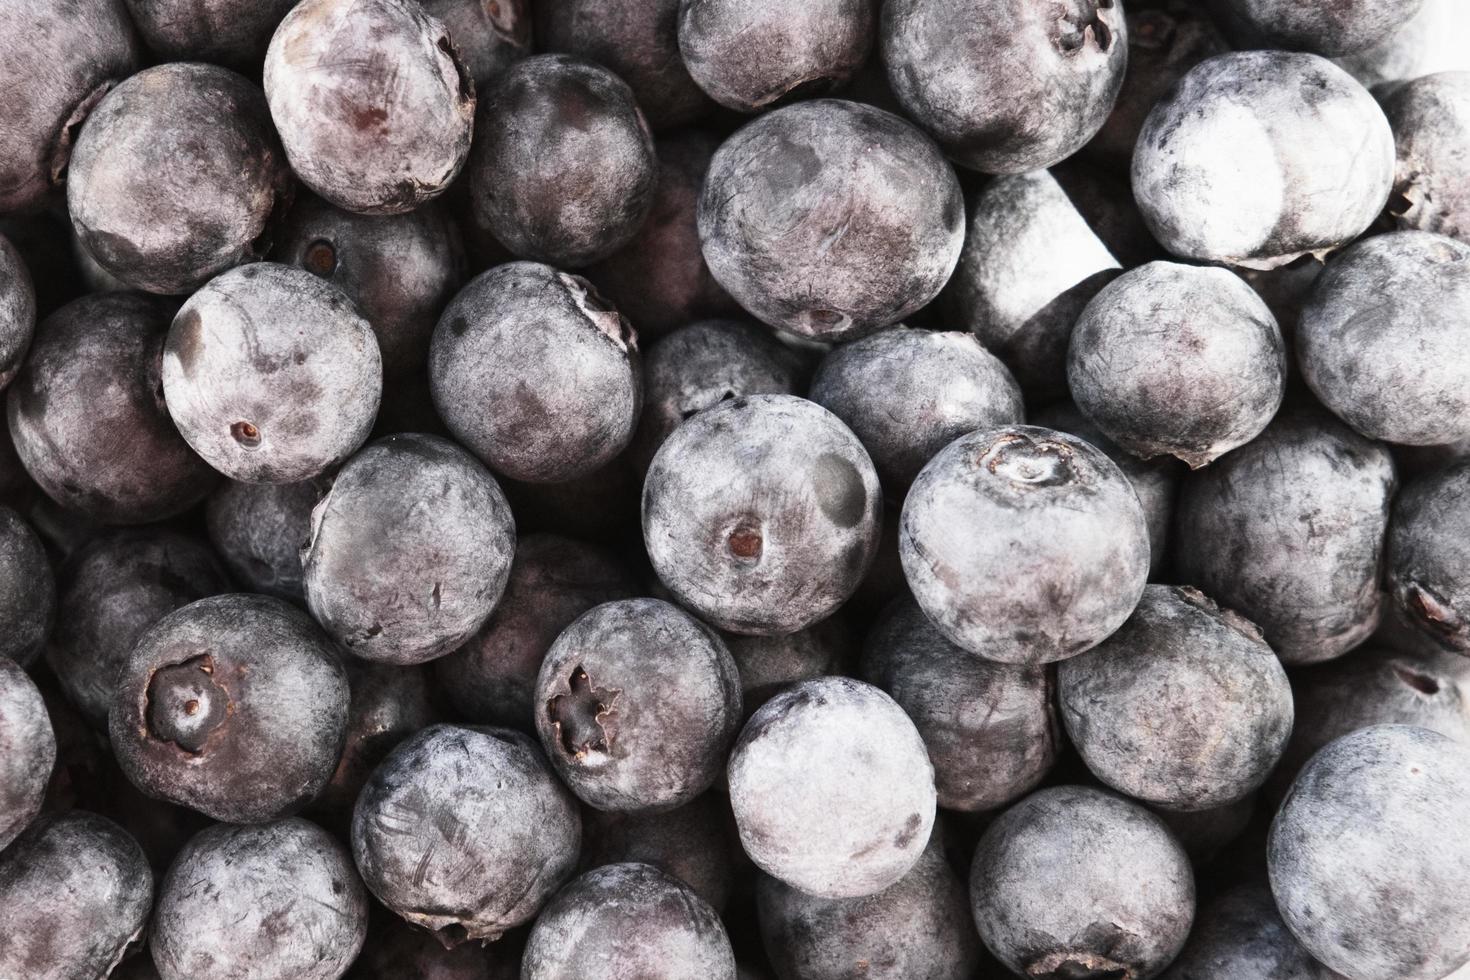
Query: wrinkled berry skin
[(76, 890), (1156, 481), (770, 664), (57, 62), (831, 219), (1363, 869), (637, 704), (628, 920), (659, 280), (27, 750), (536, 374), (750, 56), (487, 37), (802, 784), (554, 121), (917, 927), (761, 514), (1030, 264), (383, 131), (1429, 556), (1177, 360), (1331, 29), (1382, 339), (465, 831), (703, 364), (1240, 935), (94, 372), (1006, 87), (1077, 882), (1257, 157), (272, 902), (639, 42), (1184, 707), (409, 551), (1024, 545), (989, 728), (112, 590), (1253, 532), (176, 176), (27, 590), (907, 393), (691, 843), (234, 705), (17, 310), (258, 529), (553, 580), (399, 271), (1430, 117), (233, 33), (1374, 687), (271, 374)]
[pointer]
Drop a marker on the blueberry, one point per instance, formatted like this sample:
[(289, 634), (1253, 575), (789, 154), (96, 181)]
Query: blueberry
[(908, 393), (1383, 335), (1006, 87), (409, 551), (1073, 882), (487, 37), (1156, 481), (258, 529), (691, 843), (703, 364), (553, 580), (1429, 558), (17, 310), (1363, 869), (831, 219), (1336, 27), (1240, 935), (379, 132), (564, 169), (983, 759), (1024, 545), (235, 705), (112, 590), (628, 920), (637, 704), (76, 891), (761, 514), (94, 374), (465, 831), (917, 927), (27, 750), (27, 591), (1374, 687), (1424, 44), (535, 373), (1030, 264), (271, 374), (396, 950), (273, 902), (659, 279), (769, 664), (176, 176), (227, 32), (832, 789), (1184, 707), (637, 41), (1257, 157), (1288, 531), (750, 56), (1173, 359), (1430, 117), (399, 271), (59, 61)]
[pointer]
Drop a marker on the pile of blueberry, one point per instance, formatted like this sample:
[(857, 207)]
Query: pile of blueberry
[(735, 489)]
